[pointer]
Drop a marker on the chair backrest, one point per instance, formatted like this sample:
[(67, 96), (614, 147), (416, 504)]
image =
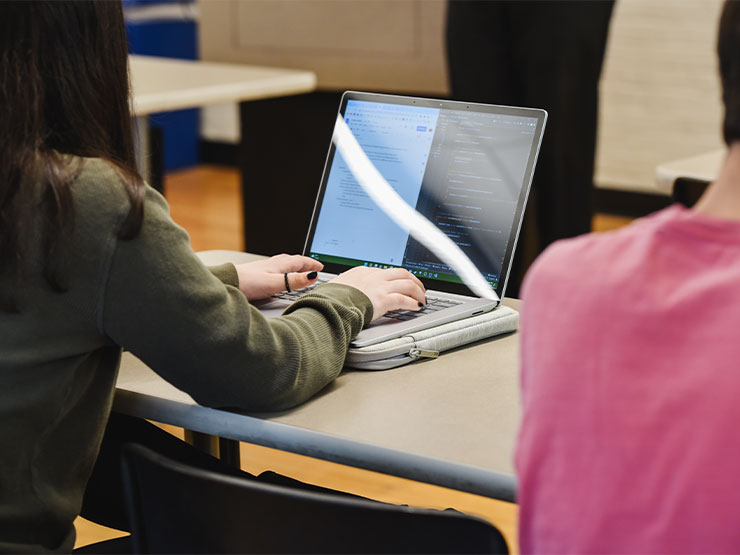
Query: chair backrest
[(175, 508)]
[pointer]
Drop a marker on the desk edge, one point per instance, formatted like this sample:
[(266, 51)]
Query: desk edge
[(458, 476)]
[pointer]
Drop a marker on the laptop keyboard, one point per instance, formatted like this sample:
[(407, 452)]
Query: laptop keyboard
[(433, 303), (298, 293)]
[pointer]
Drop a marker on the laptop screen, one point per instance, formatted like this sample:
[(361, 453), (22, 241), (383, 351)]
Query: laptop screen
[(465, 167)]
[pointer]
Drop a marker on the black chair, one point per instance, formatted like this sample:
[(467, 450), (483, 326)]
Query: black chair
[(175, 508)]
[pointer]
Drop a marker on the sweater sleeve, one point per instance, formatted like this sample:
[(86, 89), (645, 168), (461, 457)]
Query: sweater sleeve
[(226, 273), (200, 334)]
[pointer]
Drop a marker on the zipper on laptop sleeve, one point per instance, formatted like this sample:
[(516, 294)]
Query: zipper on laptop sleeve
[(423, 353)]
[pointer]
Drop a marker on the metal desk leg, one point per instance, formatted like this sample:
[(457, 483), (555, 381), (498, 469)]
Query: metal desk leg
[(149, 149), (203, 442), (156, 158), (229, 452), (141, 146), (225, 449)]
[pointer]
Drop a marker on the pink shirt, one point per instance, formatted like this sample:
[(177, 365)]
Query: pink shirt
[(630, 441)]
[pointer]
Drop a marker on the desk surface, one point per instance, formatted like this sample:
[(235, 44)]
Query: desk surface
[(703, 167), (451, 421), (163, 84)]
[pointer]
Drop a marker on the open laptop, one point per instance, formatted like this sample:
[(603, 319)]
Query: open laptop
[(466, 167)]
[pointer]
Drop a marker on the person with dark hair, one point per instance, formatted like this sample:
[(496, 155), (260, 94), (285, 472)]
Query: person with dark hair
[(90, 263), (630, 374), (541, 54)]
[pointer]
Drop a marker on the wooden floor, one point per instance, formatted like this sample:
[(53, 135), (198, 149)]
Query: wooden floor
[(206, 201)]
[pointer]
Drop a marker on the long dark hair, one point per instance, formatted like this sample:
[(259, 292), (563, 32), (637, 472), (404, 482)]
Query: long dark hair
[(728, 50), (64, 90)]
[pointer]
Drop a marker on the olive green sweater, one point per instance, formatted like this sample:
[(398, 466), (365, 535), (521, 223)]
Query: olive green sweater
[(152, 296)]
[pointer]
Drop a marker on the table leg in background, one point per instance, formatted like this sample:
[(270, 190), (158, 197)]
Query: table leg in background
[(149, 151), (141, 145), (203, 442), (229, 452), (225, 449)]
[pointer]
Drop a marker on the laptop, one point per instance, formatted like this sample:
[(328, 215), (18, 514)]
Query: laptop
[(466, 167)]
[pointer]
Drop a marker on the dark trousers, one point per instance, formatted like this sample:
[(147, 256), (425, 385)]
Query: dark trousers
[(540, 54), (104, 500)]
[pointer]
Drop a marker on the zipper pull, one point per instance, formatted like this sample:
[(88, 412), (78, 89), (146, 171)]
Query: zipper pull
[(423, 353)]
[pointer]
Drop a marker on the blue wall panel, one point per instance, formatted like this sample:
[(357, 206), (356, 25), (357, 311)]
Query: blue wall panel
[(172, 38)]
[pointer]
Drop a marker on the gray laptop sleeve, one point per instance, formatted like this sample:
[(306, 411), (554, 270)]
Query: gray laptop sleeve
[(430, 342)]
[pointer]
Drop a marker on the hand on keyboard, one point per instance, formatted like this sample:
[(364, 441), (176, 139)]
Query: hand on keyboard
[(263, 278), (391, 289), (294, 295)]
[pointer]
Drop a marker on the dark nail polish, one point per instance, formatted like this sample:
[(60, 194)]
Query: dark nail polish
[(421, 305), (312, 275)]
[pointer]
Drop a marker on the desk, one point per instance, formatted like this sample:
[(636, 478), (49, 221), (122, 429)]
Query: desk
[(451, 421), (165, 84), (687, 178)]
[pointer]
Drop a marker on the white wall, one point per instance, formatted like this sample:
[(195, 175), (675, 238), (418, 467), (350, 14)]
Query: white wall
[(660, 93)]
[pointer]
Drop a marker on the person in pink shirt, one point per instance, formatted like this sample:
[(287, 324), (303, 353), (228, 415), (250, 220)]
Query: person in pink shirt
[(630, 439)]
